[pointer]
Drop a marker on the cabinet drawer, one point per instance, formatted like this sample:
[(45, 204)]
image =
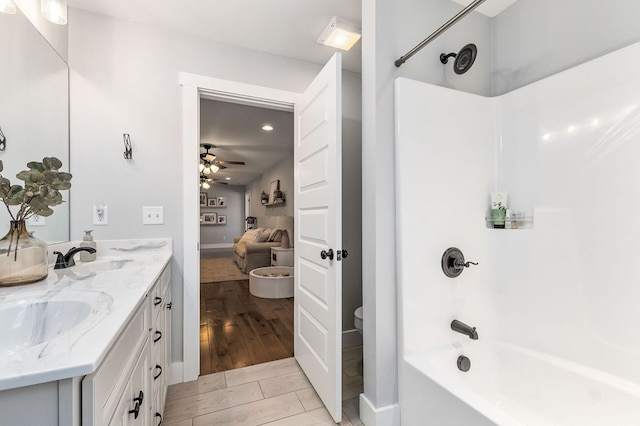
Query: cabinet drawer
[(157, 294), (103, 389)]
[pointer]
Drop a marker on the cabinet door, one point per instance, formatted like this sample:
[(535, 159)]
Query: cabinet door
[(133, 406)]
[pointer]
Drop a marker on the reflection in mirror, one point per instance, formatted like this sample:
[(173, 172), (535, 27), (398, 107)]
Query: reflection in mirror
[(34, 113)]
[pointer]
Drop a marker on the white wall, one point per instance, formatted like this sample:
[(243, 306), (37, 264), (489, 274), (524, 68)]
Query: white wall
[(570, 145), (212, 236), (124, 79)]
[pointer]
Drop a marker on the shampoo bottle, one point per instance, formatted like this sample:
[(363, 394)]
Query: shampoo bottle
[(87, 241)]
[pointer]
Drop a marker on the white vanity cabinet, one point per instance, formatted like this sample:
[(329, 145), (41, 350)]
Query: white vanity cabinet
[(160, 344), (129, 386)]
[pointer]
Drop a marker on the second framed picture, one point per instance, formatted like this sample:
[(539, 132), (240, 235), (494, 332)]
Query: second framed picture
[(209, 219), (222, 220), (222, 201), (212, 202)]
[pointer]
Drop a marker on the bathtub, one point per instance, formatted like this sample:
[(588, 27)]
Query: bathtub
[(511, 385)]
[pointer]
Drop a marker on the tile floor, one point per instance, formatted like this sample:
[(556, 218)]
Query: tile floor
[(276, 393)]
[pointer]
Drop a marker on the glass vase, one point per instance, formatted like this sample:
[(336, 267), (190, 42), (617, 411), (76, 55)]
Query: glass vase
[(23, 258)]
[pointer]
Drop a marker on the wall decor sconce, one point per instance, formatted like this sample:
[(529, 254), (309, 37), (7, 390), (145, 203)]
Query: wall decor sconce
[(128, 149), (54, 11), (3, 141)]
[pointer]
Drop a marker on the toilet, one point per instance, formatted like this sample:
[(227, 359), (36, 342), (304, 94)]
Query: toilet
[(357, 319)]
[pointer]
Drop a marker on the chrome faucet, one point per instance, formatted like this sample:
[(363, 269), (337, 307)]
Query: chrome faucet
[(64, 261), (460, 327)]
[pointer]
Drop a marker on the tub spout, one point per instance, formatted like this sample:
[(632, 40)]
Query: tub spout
[(460, 327)]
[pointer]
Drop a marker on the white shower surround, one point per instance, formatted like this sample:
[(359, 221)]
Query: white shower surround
[(566, 149)]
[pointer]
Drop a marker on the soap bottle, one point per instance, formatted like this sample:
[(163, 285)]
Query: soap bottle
[(87, 241)]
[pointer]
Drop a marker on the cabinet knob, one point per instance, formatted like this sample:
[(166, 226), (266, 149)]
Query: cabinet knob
[(158, 367), (138, 403)]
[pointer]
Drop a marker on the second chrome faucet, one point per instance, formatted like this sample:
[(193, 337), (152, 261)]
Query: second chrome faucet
[(460, 327)]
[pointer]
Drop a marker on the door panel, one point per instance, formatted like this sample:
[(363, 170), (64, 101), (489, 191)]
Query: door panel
[(318, 227)]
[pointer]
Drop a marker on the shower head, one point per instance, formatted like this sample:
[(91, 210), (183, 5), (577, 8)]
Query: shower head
[(464, 58)]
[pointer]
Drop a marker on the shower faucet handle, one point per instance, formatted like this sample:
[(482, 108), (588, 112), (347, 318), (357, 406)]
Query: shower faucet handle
[(461, 263), (453, 262)]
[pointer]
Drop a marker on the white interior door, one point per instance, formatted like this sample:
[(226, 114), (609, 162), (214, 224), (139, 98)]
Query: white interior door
[(318, 229)]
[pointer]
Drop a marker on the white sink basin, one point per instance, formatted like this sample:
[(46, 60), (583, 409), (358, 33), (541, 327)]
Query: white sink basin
[(35, 318)]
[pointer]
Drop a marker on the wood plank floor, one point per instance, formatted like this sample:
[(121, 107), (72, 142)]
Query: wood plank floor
[(238, 329)]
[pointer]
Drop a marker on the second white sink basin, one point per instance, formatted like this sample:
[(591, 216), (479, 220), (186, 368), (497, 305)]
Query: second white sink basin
[(32, 319)]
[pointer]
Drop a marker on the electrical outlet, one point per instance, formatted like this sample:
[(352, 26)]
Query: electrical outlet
[(36, 220), (100, 215), (152, 215)]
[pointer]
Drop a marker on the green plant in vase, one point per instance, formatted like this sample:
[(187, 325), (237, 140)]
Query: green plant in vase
[(23, 259)]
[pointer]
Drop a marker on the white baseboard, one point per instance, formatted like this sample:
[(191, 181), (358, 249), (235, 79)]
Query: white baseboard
[(212, 246), (351, 338), (176, 373), (384, 416)]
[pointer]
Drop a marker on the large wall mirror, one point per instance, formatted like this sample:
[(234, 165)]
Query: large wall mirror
[(34, 113)]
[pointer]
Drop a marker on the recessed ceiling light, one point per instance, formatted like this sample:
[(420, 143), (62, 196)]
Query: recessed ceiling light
[(340, 34), (228, 178), (267, 127)]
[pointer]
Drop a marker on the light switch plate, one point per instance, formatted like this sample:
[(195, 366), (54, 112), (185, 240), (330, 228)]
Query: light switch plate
[(100, 215), (152, 215)]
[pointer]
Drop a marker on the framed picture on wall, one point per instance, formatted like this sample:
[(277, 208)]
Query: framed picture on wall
[(212, 202), (209, 218), (222, 220), (222, 201), (203, 199)]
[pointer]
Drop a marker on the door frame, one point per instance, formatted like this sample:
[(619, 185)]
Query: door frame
[(194, 88)]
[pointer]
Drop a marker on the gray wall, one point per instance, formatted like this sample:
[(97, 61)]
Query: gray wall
[(282, 171), (534, 39), (212, 236), (124, 79)]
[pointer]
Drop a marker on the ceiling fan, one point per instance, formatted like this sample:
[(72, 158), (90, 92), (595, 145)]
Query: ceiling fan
[(209, 163), (206, 181)]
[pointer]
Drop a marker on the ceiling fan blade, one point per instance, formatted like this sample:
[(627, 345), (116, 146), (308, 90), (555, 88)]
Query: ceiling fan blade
[(237, 163)]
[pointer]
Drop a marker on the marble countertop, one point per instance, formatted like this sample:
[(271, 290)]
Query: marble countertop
[(114, 285)]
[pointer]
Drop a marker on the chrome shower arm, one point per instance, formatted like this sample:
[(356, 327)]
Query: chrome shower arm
[(464, 12)]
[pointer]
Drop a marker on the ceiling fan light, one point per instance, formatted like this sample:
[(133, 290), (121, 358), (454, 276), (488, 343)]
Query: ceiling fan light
[(54, 11), (8, 7), (205, 185), (201, 167), (340, 34), (214, 168), (206, 171)]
